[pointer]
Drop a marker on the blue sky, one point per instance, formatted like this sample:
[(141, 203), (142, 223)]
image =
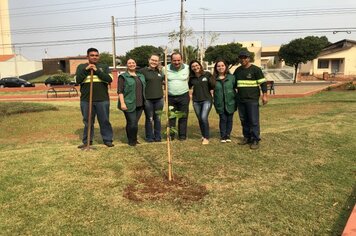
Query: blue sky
[(63, 21)]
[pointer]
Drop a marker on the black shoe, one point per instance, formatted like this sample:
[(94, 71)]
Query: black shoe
[(254, 145), (81, 146), (109, 144), (245, 141), (158, 140), (132, 144), (150, 140), (182, 138)]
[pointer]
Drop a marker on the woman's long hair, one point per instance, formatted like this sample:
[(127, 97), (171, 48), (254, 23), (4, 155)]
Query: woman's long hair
[(216, 73), (191, 72)]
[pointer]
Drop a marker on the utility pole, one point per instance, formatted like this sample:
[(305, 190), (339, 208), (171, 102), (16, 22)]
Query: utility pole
[(202, 55), (181, 31), (135, 27), (113, 42), (114, 71), (15, 60), (204, 41)]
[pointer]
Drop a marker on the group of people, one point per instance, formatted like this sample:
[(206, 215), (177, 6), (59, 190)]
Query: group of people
[(142, 91)]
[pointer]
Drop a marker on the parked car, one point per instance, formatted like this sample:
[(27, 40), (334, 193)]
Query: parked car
[(54, 80), (59, 79), (14, 82)]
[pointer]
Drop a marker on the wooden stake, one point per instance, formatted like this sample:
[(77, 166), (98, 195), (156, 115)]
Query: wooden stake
[(90, 109), (170, 167)]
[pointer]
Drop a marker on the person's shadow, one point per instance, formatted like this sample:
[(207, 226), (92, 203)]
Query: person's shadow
[(119, 134)]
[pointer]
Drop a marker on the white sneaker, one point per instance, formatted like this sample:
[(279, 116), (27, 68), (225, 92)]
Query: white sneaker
[(228, 140), (222, 140), (205, 141)]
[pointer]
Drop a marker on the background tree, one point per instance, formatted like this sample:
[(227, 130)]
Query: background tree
[(190, 53), (106, 58), (174, 38), (228, 52), (301, 50), (141, 54)]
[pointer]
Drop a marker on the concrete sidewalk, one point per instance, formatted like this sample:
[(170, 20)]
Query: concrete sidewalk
[(301, 89), (282, 90)]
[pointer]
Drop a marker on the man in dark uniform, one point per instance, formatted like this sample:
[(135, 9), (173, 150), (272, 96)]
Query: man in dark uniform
[(101, 101), (249, 81)]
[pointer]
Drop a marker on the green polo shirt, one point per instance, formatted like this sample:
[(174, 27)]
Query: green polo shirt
[(154, 81), (177, 79)]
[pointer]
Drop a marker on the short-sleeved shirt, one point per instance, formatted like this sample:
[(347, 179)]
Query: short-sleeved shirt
[(154, 81), (248, 82), (201, 87)]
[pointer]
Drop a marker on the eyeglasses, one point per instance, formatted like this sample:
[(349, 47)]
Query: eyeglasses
[(93, 55)]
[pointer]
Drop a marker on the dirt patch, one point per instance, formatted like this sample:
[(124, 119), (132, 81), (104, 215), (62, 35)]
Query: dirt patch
[(350, 86), (155, 188)]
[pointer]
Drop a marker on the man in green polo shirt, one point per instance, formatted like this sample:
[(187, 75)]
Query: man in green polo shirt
[(178, 92), (101, 101), (249, 80)]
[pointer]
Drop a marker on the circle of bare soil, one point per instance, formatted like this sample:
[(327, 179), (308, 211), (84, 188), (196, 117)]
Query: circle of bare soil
[(345, 87), (155, 188)]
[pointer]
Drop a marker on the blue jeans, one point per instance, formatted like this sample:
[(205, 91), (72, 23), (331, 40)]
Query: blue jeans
[(250, 119), (151, 107), (225, 124), (202, 110), (101, 110), (132, 119)]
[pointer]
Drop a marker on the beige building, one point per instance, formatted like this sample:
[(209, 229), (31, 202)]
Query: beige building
[(256, 48), (338, 59), (17, 65), (5, 31)]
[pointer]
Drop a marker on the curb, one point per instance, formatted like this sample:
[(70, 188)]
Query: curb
[(350, 228)]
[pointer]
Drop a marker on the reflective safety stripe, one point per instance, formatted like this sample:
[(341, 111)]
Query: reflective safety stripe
[(260, 81), (95, 79), (250, 83)]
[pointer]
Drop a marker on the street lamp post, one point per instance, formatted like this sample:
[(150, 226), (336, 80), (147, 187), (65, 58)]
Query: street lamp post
[(202, 53)]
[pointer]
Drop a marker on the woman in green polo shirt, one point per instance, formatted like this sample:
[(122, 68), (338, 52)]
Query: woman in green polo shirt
[(131, 87), (224, 99)]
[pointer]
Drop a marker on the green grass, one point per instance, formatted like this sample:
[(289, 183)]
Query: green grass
[(39, 79), (300, 182), (11, 108)]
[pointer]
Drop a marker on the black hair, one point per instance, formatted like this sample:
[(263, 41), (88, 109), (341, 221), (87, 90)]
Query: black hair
[(92, 50), (191, 72), (176, 53)]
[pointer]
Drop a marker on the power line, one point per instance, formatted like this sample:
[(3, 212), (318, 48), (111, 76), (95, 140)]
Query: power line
[(124, 22), (279, 13), (80, 9), (51, 5), (165, 34), (174, 16)]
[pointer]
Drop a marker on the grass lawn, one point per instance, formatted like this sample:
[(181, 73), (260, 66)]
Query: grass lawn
[(300, 182)]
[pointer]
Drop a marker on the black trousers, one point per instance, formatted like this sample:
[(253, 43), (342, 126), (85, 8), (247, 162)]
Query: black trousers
[(180, 103), (132, 119)]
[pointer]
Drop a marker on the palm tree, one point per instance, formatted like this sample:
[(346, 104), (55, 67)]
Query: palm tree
[(190, 53)]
